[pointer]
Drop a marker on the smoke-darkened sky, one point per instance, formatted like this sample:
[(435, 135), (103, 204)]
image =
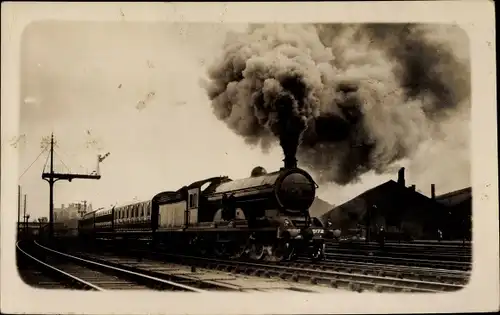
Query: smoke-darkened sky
[(133, 89), (345, 99)]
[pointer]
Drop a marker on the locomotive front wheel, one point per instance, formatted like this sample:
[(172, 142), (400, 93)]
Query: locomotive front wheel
[(318, 252), (281, 251), (257, 251)]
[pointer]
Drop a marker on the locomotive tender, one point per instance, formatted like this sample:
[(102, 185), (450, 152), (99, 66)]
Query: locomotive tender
[(265, 216)]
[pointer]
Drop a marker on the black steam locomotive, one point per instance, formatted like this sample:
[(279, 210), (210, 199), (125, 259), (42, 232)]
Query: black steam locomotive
[(265, 216)]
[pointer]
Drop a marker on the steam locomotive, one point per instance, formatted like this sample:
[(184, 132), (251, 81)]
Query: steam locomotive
[(262, 217)]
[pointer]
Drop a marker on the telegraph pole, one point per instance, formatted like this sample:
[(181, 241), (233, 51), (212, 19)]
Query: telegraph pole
[(25, 216), (52, 177), (18, 207)]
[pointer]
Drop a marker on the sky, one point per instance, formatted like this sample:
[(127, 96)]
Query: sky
[(133, 89)]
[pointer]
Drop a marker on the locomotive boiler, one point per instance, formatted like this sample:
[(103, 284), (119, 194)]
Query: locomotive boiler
[(265, 216)]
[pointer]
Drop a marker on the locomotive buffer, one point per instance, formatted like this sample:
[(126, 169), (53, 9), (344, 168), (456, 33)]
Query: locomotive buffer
[(52, 177)]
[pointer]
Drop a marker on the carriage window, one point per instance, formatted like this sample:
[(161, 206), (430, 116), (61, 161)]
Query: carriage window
[(142, 210)]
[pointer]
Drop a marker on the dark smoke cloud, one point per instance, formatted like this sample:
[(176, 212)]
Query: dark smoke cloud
[(345, 99)]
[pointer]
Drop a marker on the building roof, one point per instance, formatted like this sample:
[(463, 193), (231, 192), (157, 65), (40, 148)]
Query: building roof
[(455, 197), (319, 207), (388, 194)]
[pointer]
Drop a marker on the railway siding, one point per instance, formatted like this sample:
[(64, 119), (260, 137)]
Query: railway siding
[(76, 273), (315, 274), (207, 278)]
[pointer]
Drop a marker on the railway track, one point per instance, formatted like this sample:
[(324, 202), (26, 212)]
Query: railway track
[(402, 261), (383, 270), (318, 274), (209, 278), (447, 245), (406, 253), (47, 268), (37, 273)]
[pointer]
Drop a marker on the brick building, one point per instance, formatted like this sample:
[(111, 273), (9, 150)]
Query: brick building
[(399, 209)]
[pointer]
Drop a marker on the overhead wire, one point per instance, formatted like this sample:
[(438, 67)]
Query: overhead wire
[(65, 155), (69, 170), (46, 161), (43, 151)]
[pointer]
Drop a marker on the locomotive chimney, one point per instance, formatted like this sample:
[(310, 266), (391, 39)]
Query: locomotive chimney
[(290, 161), (433, 191), (401, 176)]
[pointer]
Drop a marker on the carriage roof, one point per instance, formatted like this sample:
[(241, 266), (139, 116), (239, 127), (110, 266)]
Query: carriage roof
[(88, 214), (104, 211)]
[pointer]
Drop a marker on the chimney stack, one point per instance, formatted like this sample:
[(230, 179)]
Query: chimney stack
[(401, 176), (290, 162), (433, 191)]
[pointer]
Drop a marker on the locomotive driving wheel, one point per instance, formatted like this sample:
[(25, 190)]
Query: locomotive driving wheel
[(281, 251), (220, 250), (257, 251), (239, 250)]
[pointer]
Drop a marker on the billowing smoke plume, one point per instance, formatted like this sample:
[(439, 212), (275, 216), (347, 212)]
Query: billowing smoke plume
[(344, 99)]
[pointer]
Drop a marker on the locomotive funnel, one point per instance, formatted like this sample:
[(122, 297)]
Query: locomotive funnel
[(290, 161)]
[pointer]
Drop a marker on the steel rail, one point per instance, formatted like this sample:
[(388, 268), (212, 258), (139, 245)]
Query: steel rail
[(185, 287), (86, 283), (322, 275)]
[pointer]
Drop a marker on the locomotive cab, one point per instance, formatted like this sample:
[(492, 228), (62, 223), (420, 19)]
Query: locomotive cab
[(192, 206)]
